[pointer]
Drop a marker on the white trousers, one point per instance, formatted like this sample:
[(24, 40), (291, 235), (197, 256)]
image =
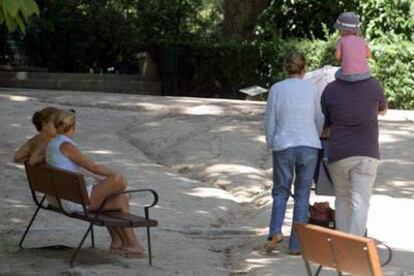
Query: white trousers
[(353, 179)]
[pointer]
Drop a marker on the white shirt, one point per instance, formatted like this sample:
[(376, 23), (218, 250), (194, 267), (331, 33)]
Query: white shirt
[(293, 115)]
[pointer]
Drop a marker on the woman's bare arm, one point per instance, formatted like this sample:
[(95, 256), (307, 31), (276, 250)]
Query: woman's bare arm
[(38, 155), (85, 172), (74, 154), (23, 153)]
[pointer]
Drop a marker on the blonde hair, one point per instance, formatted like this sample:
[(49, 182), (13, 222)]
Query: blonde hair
[(64, 121), (295, 63)]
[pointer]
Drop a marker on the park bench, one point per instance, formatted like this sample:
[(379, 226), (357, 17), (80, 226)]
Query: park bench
[(338, 250), (49, 182)]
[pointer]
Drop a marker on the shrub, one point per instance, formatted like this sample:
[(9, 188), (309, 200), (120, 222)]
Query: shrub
[(394, 66)]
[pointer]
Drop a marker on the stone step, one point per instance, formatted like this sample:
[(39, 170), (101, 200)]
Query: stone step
[(84, 82), (71, 76)]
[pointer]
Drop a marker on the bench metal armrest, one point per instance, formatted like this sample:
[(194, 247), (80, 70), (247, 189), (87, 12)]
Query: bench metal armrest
[(113, 195), (154, 193)]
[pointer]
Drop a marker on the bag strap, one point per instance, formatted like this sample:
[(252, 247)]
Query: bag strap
[(326, 170)]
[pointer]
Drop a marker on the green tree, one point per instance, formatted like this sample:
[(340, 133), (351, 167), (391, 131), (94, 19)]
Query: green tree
[(314, 18), (16, 13), (382, 18), (240, 17), (173, 20), (301, 18), (74, 36)]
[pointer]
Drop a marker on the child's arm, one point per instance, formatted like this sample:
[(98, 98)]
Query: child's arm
[(368, 52), (338, 53)]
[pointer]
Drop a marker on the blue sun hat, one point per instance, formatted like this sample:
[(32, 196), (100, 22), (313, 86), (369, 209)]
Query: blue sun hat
[(347, 21)]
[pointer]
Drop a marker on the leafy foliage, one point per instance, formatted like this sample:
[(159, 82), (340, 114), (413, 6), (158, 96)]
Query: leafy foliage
[(16, 13), (174, 20), (394, 66), (309, 18), (74, 36), (301, 18), (388, 17)]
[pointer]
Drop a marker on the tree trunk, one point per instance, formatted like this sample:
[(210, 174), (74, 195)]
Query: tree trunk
[(240, 17)]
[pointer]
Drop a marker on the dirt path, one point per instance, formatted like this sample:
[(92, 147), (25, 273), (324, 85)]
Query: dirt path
[(207, 160)]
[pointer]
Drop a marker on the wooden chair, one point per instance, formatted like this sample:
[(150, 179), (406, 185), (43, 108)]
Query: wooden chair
[(338, 250), (58, 184)]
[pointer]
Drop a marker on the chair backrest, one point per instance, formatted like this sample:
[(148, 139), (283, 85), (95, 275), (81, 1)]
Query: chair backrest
[(338, 250), (60, 183)]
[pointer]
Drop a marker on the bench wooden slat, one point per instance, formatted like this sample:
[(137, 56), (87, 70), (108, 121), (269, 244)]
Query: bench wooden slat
[(364, 260), (339, 250), (134, 220), (315, 245), (117, 219), (39, 179), (70, 186)]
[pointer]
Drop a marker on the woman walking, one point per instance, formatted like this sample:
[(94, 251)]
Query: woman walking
[(293, 121)]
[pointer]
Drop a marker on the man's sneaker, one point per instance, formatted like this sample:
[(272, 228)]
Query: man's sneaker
[(272, 243)]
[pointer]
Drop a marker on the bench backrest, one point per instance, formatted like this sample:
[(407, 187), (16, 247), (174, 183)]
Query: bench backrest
[(58, 183), (40, 179), (338, 250)]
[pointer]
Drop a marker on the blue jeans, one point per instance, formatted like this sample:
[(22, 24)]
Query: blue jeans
[(298, 162)]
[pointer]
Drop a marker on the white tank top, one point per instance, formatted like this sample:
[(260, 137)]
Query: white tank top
[(55, 158)]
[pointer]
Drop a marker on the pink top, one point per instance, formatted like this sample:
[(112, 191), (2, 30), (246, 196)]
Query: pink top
[(354, 59)]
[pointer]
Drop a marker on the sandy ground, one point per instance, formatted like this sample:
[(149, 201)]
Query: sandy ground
[(207, 160)]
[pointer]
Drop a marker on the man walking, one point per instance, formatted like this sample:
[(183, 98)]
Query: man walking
[(351, 110)]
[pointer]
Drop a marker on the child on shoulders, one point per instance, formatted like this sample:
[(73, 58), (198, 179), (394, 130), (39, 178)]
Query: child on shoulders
[(351, 49)]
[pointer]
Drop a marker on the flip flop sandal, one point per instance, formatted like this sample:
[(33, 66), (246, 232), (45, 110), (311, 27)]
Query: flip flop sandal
[(117, 251), (135, 255)]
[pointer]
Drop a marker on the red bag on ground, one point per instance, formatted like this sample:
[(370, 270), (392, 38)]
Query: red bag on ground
[(320, 213)]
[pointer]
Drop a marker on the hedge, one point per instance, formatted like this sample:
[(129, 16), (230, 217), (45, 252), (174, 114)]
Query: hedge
[(394, 66), (221, 69)]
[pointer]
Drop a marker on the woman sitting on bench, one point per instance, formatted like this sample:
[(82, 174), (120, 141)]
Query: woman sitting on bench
[(62, 153), (34, 149)]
